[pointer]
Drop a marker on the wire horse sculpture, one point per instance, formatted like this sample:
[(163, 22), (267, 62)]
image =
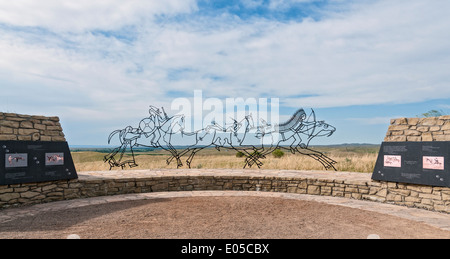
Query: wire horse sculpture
[(157, 131)]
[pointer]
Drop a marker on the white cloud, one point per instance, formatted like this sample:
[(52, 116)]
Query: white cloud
[(68, 15), (284, 4)]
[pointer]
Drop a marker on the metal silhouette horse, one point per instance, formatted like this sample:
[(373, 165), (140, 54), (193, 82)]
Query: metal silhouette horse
[(158, 130)]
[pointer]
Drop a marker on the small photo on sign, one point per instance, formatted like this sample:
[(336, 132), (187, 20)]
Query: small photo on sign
[(392, 161), (16, 160), (54, 159), (433, 162)]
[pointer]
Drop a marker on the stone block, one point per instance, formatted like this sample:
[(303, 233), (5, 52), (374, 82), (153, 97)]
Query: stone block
[(6, 130), (412, 133), (49, 123), (36, 137), (393, 197), (414, 138), (423, 129), (445, 117), (398, 127), (24, 138), (40, 126), (446, 126), (58, 138), (312, 189), (427, 136), (28, 131), (325, 190), (356, 196), (50, 133), (8, 137), (413, 121), (428, 121), (54, 128), (29, 195), (46, 138), (400, 121), (441, 138), (6, 197), (39, 117), (160, 187), (10, 124), (395, 139), (26, 125)]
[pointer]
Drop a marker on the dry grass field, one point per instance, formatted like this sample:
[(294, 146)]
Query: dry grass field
[(350, 158)]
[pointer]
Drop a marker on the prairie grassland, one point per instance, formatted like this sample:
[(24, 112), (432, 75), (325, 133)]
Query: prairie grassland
[(353, 159)]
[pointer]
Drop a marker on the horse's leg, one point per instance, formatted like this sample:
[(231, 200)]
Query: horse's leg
[(326, 161), (134, 159), (253, 158), (173, 152), (123, 149), (248, 161), (169, 160), (191, 157), (111, 154), (175, 155), (256, 155), (184, 152), (323, 159)]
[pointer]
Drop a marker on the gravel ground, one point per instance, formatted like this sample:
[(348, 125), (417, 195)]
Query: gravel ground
[(216, 218)]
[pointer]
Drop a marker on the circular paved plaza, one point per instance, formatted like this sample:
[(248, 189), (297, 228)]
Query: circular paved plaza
[(221, 214)]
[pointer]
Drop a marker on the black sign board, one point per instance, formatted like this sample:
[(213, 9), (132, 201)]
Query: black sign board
[(35, 161), (425, 163)]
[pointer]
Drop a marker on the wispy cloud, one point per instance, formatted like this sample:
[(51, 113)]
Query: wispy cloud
[(82, 15)]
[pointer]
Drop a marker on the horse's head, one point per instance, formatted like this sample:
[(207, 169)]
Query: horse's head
[(323, 129), (250, 122)]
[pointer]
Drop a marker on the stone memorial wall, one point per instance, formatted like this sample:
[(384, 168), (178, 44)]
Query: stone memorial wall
[(419, 129), (33, 149), (30, 128)]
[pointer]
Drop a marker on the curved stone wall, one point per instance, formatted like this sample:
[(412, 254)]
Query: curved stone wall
[(340, 184)]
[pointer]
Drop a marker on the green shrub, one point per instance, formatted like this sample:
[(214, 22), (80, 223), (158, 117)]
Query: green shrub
[(278, 153), (240, 154)]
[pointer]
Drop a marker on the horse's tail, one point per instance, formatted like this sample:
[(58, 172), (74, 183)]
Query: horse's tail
[(112, 135)]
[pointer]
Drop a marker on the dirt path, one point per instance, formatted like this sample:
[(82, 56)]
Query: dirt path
[(215, 217)]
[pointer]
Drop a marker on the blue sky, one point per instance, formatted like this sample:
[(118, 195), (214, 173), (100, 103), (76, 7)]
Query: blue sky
[(99, 65)]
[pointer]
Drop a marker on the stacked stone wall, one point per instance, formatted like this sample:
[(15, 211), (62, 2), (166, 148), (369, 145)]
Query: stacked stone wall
[(349, 185), (419, 129), (30, 128)]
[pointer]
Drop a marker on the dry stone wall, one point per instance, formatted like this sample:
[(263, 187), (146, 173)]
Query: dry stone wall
[(341, 184), (419, 129), (30, 128)]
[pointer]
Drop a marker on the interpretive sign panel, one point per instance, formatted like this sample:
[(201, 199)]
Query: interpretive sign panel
[(425, 163), (35, 161)]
